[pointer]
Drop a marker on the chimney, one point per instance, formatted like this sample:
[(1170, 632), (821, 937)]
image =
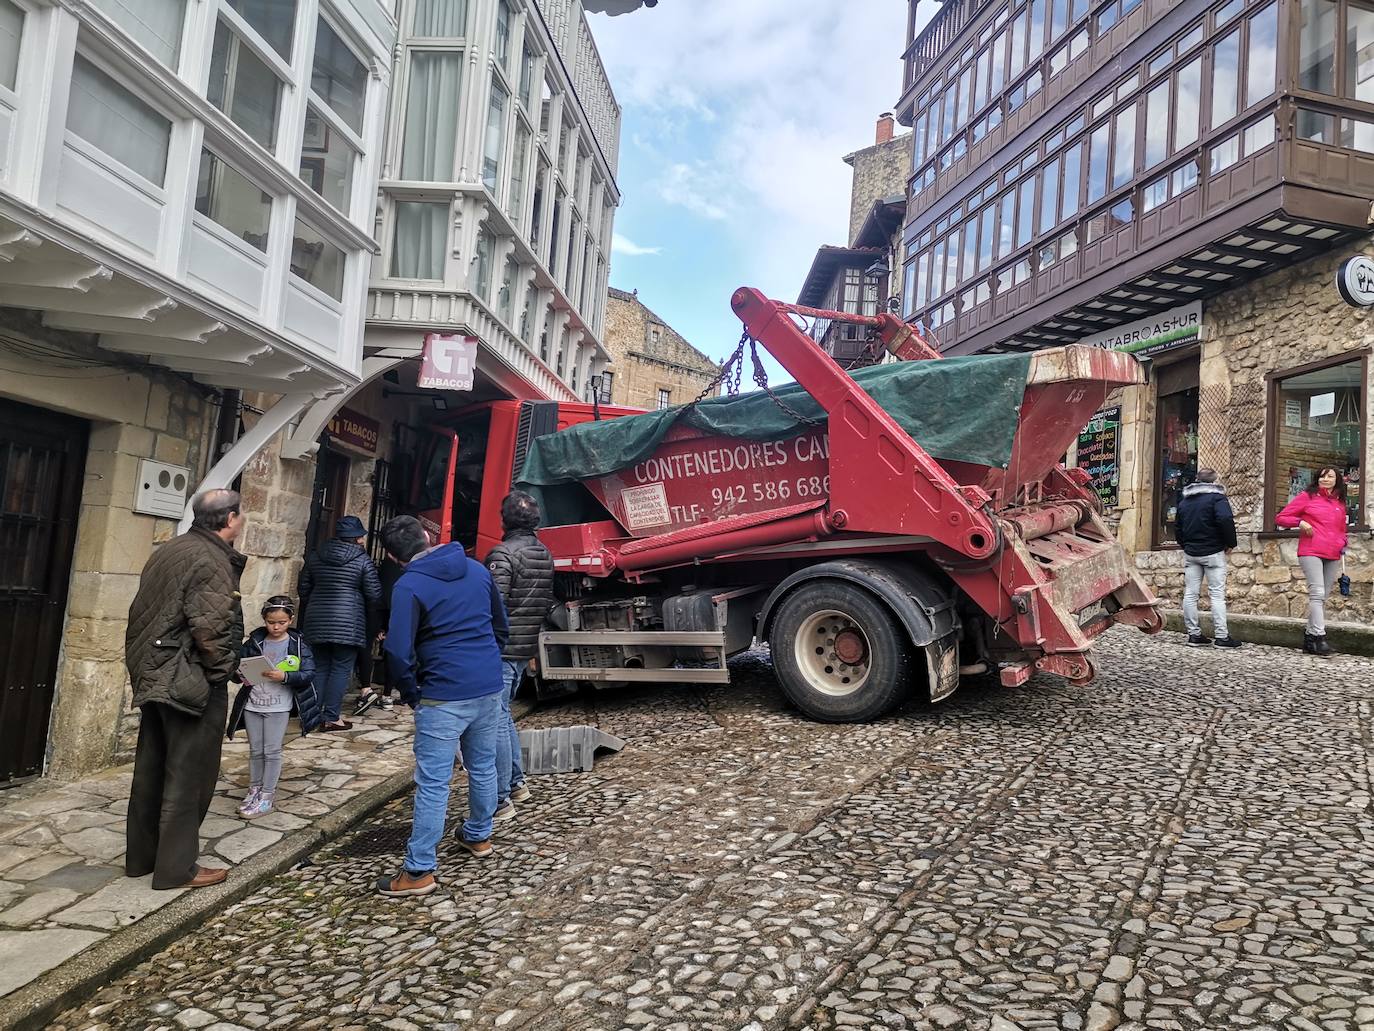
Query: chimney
[(885, 127)]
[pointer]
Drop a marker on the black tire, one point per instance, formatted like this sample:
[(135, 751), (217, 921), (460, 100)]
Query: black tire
[(889, 665)]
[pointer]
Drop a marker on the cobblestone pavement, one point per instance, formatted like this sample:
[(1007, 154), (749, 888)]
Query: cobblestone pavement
[(62, 883), (1188, 844)]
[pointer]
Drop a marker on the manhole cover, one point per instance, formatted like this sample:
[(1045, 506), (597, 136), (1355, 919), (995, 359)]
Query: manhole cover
[(387, 839)]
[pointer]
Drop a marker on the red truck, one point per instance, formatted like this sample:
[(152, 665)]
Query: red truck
[(810, 518)]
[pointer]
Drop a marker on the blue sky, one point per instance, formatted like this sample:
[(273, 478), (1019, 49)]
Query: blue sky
[(735, 123)]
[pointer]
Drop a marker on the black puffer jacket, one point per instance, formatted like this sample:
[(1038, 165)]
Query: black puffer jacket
[(301, 682), (337, 585), (523, 571)]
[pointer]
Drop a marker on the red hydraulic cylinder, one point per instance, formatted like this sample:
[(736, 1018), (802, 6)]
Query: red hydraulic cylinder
[(687, 546)]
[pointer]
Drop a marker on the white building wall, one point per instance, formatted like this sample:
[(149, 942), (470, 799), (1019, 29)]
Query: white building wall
[(498, 223), (189, 184)]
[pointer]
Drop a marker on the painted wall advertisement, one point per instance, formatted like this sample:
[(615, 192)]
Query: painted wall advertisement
[(1099, 453)]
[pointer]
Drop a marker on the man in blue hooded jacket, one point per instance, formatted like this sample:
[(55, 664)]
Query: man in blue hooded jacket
[(443, 648)]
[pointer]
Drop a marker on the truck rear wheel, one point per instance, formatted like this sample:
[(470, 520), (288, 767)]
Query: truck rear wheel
[(838, 653)]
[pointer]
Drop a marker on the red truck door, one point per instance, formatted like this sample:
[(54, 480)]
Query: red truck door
[(433, 488)]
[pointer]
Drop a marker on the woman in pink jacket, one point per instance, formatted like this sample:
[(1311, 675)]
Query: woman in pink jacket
[(1319, 514)]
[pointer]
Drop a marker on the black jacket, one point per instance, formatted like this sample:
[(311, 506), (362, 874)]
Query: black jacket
[(301, 682), (522, 569), (1205, 524), (337, 585)]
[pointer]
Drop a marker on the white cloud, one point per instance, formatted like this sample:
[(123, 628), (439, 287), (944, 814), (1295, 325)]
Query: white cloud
[(624, 245), (747, 110)]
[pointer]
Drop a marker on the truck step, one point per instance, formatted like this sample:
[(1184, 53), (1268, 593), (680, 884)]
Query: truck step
[(564, 749)]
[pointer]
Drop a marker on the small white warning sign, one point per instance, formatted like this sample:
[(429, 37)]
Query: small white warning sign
[(645, 506)]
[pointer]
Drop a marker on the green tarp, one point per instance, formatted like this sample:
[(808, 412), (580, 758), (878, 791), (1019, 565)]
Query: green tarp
[(958, 409)]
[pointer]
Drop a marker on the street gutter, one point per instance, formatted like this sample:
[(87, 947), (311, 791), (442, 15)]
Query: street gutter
[(35, 1005)]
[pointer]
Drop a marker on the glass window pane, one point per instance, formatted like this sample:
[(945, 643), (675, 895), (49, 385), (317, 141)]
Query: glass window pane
[(999, 64), (985, 230), (1359, 53), (502, 45), (1317, 126), (1006, 225), (1123, 159), (1317, 46), (1357, 134), (1049, 197), (1018, 46), (1186, 99), (326, 161), (440, 18), (316, 260), (505, 301), (1177, 424), (1154, 194), (1026, 210), (980, 80), (515, 200), (228, 197), (526, 77), (431, 126), (1098, 157), (273, 20), (110, 118), (1073, 174), (11, 32), (1184, 177), (154, 23), (1257, 136), (1329, 433), (1157, 125), (1225, 154), (951, 261), (1225, 76), (338, 77), (1262, 55), (1059, 18), (482, 264), (417, 252), (495, 140), (1037, 28), (243, 87)]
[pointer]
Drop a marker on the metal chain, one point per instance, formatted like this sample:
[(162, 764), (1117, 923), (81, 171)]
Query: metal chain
[(761, 378), (736, 361)]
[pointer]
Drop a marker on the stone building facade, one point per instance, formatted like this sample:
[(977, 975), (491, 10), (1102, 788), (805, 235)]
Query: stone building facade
[(652, 365), (1271, 355), (880, 173)]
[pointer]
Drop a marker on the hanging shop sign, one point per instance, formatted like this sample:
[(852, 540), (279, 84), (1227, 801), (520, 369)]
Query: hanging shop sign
[(1099, 453), (1153, 334), (1355, 281), (355, 430), (449, 362)]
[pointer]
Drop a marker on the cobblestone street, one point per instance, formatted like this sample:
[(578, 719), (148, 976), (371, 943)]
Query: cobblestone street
[(1187, 844)]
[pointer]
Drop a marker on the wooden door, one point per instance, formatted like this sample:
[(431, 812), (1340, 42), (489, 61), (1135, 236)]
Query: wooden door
[(42, 458)]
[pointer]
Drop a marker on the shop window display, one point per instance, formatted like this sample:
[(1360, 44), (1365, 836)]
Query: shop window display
[(1318, 422), (1177, 456)]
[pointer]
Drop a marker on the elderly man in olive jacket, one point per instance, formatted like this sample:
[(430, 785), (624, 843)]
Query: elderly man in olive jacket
[(182, 645)]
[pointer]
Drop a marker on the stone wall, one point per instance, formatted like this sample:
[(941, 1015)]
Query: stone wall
[(641, 365), (1285, 320), (880, 171), (133, 413)]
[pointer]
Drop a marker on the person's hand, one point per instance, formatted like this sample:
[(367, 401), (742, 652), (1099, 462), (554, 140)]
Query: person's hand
[(1305, 528), (275, 675), (1229, 550), (381, 635)]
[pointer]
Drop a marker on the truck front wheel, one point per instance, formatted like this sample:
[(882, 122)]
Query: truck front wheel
[(838, 653)]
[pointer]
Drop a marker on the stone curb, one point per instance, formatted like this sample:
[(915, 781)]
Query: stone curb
[(33, 1006), (1281, 631)]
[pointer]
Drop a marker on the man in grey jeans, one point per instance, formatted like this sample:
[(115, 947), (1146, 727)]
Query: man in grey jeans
[(1206, 529)]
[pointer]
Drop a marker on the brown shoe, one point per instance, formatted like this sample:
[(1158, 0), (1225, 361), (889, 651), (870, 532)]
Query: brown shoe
[(479, 849), (337, 725), (206, 876), (407, 883)]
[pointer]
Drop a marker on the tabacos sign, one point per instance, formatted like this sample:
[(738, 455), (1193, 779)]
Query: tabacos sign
[(356, 430), (448, 362), (1154, 334)]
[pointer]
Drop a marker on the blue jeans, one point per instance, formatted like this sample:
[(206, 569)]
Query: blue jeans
[(509, 772), (1211, 568), (475, 724), (334, 665)]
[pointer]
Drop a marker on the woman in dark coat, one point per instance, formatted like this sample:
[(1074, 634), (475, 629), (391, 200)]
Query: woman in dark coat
[(338, 584)]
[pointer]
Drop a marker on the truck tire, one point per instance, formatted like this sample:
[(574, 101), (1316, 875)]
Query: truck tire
[(838, 653)]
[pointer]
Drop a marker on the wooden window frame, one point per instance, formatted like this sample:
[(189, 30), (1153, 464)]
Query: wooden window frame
[(1272, 380)]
